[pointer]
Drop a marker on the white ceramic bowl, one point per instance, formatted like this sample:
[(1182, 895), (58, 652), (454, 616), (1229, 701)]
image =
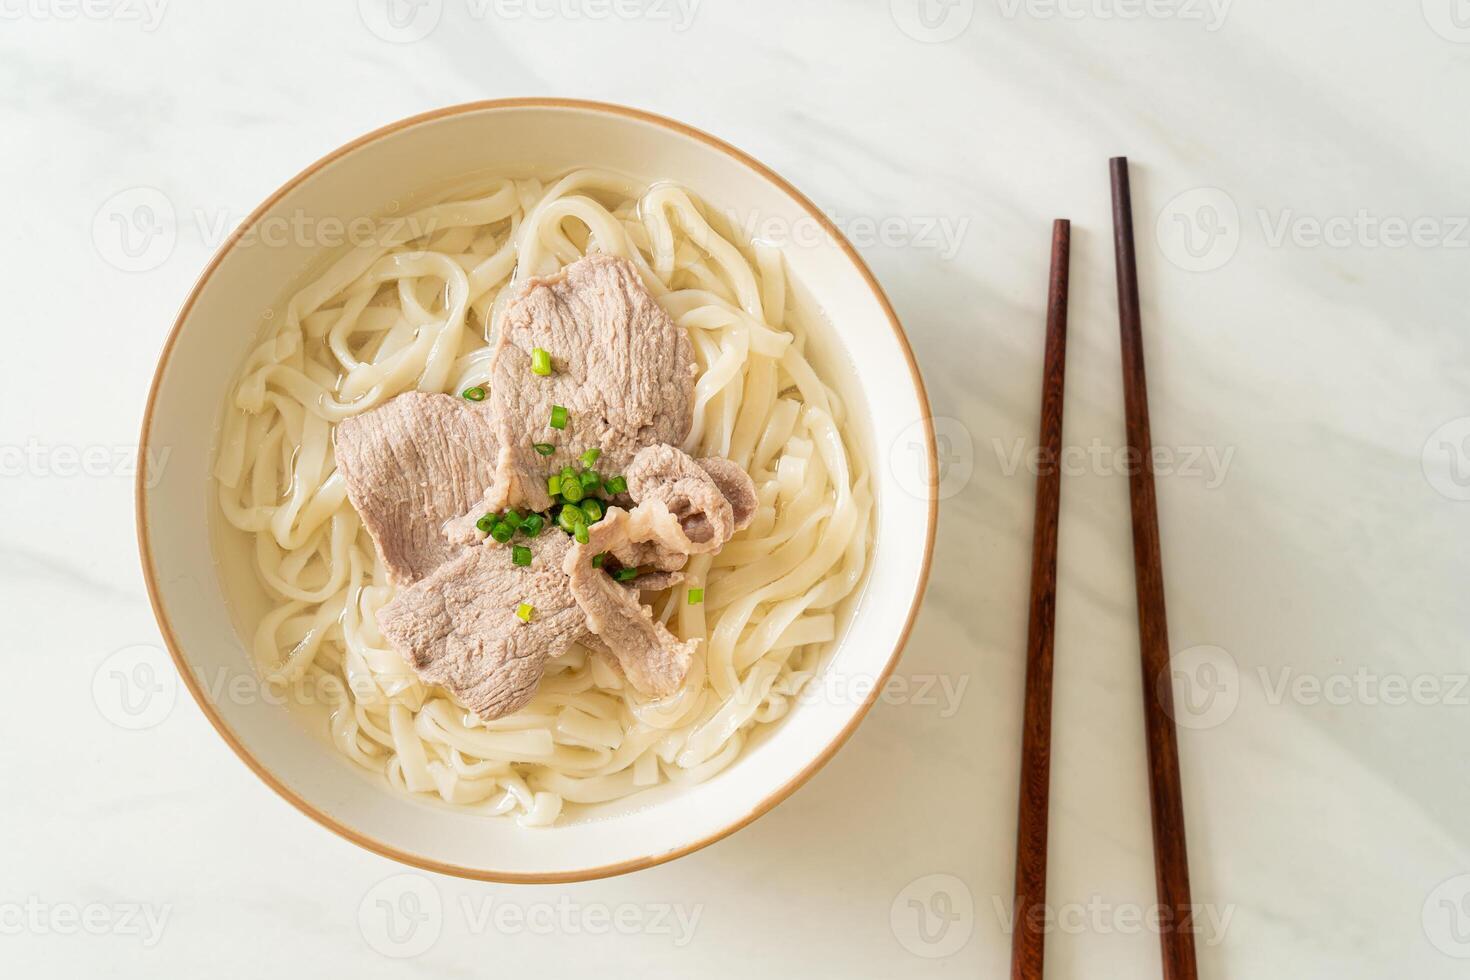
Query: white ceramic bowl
[(860, 348)]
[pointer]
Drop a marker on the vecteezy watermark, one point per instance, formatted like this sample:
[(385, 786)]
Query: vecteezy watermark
[(1364, 686), (137, 229), (36, 917), (1210, 464), (45, 461), (401, 916), (148, 14), (954, 458), (1446, 459), (404, 915), (1446, 917), (567, 917), (1199, 230), (1098, 916), (942, 691), (933, 916), (1364, 229), (932, 21), (1450, 19), (406, 21), (942, 234), (1201, 687), (1209, 13), (135, 687)]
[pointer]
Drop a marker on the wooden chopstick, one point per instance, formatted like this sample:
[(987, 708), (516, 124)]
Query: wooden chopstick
[(1171, 859), (1028, 936)]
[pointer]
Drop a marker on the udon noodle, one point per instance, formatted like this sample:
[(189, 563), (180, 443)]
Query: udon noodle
[(414, 306)]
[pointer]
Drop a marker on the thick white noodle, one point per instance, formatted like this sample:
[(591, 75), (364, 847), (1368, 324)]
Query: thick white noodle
[(414, 309)]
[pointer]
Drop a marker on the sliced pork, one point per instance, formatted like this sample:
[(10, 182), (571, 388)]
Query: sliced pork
[(410, 466), (458, 627), (622, 369), (653, 659)]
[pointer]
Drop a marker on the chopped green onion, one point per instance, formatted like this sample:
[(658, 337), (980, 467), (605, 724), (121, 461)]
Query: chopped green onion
[(475, 394), (520, 556), (544, 448), (625, 574), (590, 456), (598, 559), (567, 473), (571, 515), (502, 532), (486, 523), (571, 490), (553, 484), (558, 417), (696, 596), (525, 611), (532, 525), (617, 485), (580, 533), (592, 507), (591, 481), (540, 361), (513, 518)]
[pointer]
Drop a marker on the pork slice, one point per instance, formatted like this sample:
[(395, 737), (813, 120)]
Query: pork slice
[(653, 659), (458, 627), (410, 466), (707, 500), (621, 367)]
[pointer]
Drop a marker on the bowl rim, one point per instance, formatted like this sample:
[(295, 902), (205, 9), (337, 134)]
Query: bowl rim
[(768, 802)]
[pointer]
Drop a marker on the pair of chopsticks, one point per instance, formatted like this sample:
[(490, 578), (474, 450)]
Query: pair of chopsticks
[(1171, 863)]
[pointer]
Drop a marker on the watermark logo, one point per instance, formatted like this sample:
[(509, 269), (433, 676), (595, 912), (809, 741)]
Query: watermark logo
[(1446, 917), (134, 920), (934, 916), (401, 916), (908, 458), (1210, 13), (1099, 916), (148, 14), (1199, 231), (940, 233), (1210, 464), (932, 21), (135, 688), (1205, 684), (1450, 19), (135, 230), (1446, 459), (401, 21)]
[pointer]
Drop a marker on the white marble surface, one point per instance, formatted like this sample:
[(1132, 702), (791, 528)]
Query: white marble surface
[(1322, 546)]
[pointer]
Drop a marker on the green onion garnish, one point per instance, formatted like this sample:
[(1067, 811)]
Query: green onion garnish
[(486, 523), (520, 556), (571, 515), (475, 394), (553, 484), (571, 490), (696, 596), (502, 532), (540, 361), (558, 417), (590, 456), (580, 533), (592, 507), (513, 518), (617, 485), (625, 574), (532, 525), (544, 448), (591, 481), (598, 559), (525, 611)]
